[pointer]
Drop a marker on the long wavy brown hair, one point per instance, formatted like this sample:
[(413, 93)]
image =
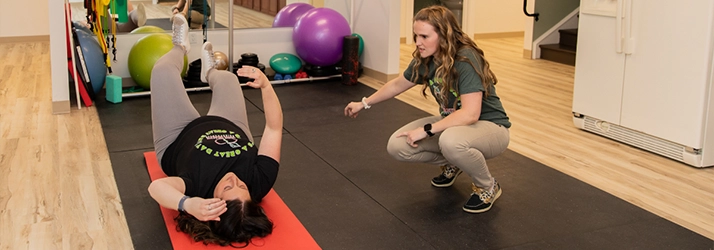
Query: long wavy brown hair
[(238, 225), (451, 40)]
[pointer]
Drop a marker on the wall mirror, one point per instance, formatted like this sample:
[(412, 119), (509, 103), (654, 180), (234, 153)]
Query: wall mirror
[(246, 13)]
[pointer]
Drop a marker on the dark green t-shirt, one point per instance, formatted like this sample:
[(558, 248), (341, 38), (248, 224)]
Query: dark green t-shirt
[(197, 5), (468, 82)]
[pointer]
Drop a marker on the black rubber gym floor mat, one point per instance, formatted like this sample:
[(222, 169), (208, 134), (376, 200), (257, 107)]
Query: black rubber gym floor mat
[(338, 179)]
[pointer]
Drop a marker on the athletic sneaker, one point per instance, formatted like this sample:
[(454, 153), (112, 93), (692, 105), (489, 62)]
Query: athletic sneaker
[(447, 177), (140, 15), (180, 32), (208, 60), (482, 200)]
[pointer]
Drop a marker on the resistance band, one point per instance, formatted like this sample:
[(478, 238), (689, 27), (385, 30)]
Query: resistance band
[(97, 17)]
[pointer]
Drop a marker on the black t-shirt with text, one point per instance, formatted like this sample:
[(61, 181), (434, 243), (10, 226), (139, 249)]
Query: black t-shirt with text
[(211, 146)]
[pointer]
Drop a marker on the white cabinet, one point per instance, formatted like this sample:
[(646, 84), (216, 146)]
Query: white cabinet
[(643, 75), (599, 70)]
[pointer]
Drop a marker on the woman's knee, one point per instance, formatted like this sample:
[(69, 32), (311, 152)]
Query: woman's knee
[(162, 68), (396, 148), (454, 142), (450, 141)]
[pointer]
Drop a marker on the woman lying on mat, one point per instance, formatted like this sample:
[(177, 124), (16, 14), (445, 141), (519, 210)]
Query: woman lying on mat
[(473, 125), (216, 174)]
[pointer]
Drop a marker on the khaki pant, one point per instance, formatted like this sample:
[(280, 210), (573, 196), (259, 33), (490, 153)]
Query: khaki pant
[(466, 147), (196, 20)]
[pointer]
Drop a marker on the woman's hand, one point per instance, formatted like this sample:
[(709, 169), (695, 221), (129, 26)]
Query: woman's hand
[(413, 136), (259, 79), (205, 209), (353, 109)]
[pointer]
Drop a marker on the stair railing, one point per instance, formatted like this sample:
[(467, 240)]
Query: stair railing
[(535, 15)]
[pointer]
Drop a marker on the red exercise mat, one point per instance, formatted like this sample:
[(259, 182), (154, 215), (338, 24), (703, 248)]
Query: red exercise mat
[(288, 232)]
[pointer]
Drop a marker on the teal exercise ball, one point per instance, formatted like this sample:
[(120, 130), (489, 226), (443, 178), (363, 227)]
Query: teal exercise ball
[(144, 54), (285, 63), (361, 43)]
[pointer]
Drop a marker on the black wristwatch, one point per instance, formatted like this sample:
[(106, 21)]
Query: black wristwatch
[(427, 129)]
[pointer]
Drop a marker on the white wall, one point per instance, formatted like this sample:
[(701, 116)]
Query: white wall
[(405, 26), (528, 27), (479, 17), (378, 22), (58, 53), (488, 16), (32, 20)]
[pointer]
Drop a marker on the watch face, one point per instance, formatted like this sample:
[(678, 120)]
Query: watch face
[(427, 129)]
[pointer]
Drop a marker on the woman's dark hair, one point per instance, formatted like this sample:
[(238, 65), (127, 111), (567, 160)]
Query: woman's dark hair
[(239, 224)]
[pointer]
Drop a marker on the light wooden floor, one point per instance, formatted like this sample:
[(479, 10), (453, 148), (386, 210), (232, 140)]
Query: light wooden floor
[(57, 189)]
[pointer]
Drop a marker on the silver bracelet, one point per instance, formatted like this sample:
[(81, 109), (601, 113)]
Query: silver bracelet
[(364, 102)]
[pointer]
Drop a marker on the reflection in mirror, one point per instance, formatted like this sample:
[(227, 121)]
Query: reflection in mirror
[(244, 16)]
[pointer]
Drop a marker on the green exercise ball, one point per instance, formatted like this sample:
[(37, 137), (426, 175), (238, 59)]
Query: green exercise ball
[(285, 63), (147, 29), (144, 54), (361, 44)]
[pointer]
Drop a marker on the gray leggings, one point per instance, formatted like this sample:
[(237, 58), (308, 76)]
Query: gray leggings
[(466, 147), (172, 110)]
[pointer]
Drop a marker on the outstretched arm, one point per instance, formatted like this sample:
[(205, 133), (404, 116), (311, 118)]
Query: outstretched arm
[(272, 138), (391, 89)]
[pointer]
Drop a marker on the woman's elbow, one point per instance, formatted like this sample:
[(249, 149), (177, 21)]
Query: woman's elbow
[(152, 188), (471, 116)]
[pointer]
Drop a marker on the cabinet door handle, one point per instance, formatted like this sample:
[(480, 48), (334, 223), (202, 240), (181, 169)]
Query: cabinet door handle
[(618, 26)]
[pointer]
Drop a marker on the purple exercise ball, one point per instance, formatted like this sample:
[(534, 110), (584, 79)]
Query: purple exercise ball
[(318, 35), (290, 14)]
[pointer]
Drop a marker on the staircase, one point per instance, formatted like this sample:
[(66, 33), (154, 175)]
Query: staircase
[(564, 51)]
